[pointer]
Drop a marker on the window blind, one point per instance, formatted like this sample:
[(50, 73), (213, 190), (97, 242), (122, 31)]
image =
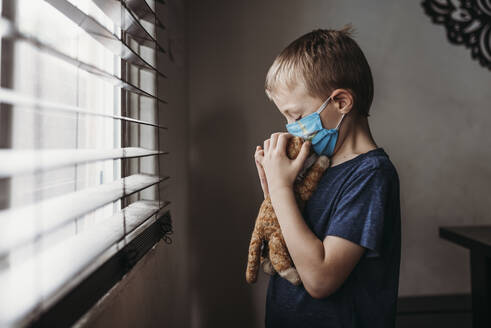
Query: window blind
[(80, 132)]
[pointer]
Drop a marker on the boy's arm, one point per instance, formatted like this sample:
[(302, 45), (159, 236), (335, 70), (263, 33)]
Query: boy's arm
[(323, 266)]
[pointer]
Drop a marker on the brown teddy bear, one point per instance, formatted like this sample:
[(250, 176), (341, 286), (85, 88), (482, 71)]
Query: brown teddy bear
[(267, 245)]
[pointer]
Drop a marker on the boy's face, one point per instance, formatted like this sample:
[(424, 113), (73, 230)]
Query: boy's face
[(296, 103)]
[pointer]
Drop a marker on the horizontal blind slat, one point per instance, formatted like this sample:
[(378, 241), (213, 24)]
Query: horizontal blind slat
[(9, 30), (124, 17), (20, 289), (16, 161), (27, 286), (15, 98), (143, 11), (20, 225), (102, 34)]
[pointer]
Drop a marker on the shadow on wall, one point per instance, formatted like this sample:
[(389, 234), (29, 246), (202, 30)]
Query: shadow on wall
[(222, 217)]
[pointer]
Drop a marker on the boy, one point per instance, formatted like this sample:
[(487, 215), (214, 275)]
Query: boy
[(346, 242)]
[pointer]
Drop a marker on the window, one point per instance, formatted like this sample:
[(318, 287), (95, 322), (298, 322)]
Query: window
[(79, 143)]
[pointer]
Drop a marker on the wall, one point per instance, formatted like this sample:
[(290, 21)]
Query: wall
[(430, 113)]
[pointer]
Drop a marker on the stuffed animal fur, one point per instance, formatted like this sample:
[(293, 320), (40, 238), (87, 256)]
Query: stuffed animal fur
[(267, 246)]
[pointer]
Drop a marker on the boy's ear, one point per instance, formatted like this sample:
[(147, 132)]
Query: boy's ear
[(343, 100)]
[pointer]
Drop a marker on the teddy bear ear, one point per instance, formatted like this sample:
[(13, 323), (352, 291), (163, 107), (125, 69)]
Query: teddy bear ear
[(293, 147), (297, 141)]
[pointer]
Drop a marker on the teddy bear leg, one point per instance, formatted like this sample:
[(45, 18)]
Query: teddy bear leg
[(281, 261), (253, 258)]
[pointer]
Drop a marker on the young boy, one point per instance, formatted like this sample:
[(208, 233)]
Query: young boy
[(346, 243)]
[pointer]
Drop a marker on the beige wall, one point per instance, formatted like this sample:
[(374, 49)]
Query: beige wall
[(430, 113)]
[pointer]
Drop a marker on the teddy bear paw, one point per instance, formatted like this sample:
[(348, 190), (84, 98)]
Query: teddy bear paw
[(324, 161), (291, 275)]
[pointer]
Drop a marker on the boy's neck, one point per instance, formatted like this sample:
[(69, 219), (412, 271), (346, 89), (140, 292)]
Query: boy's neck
[(354, 139)]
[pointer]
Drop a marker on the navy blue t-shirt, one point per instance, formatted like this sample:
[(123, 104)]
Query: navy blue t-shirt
[(357, 200)]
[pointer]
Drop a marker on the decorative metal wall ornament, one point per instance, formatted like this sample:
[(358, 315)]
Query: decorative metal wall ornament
[(467, 22)]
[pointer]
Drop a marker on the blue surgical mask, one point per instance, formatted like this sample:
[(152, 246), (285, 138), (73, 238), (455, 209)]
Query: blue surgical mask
[(310, 128)]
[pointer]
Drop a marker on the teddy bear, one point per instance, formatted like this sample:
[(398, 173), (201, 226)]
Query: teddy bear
[(267, 246)]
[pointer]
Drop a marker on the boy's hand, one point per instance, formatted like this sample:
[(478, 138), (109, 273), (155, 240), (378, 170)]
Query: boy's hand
[(260, 171), (281, 171)]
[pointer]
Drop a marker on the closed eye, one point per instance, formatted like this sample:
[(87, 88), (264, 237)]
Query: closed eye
[(291, 115), (294, 120)]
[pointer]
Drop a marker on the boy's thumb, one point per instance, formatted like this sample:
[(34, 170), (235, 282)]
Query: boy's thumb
[(304, 152)]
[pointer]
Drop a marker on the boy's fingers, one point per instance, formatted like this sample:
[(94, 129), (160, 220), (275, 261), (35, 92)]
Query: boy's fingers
[(260, 171), (266, 145), (259, 154), (282, 140), (262, 177), (259, 159), (303, 154), (274, 139)]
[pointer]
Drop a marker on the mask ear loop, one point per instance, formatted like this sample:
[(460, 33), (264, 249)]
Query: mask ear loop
[(337, 126), (323, 105)]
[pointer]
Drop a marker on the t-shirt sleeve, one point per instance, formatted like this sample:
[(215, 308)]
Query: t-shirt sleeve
[(361, 210)]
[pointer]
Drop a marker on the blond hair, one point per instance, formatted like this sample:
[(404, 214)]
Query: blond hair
[(324, 60)]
